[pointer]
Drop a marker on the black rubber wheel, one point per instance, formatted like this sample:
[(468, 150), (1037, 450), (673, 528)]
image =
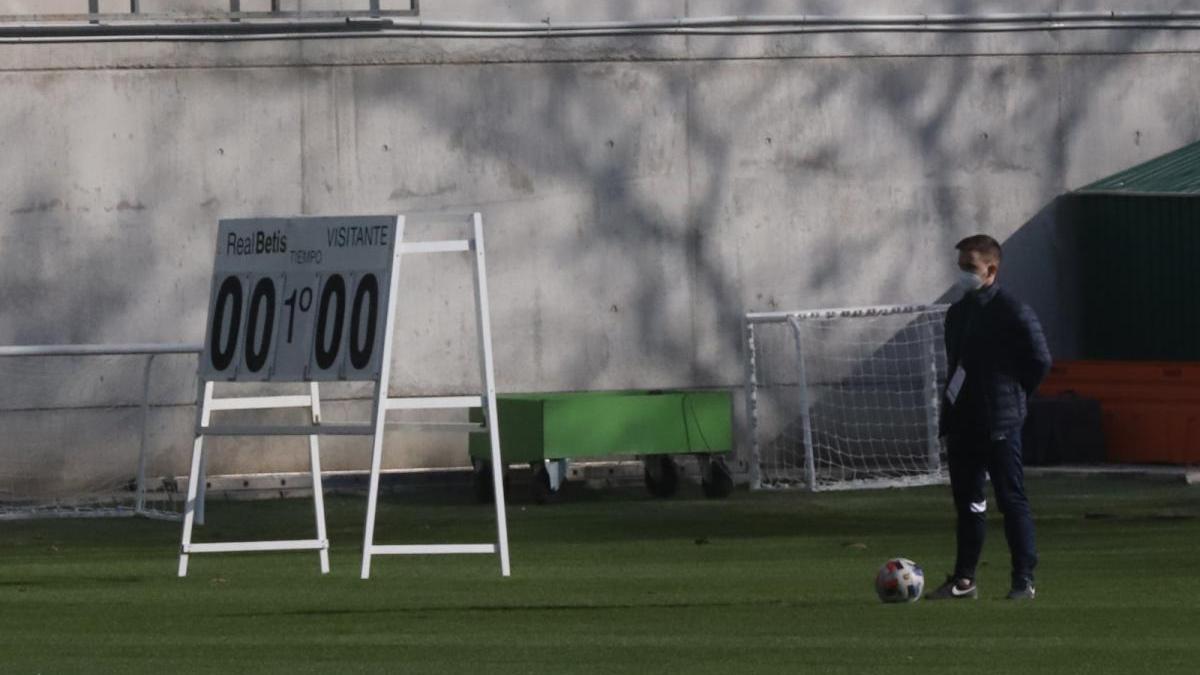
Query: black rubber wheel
[(719, 482), (663, 481), (542, 494), (481, 481), (539, 485)]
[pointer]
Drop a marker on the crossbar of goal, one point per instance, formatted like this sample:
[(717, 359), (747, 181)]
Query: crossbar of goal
[(878, 310), (136, 349)]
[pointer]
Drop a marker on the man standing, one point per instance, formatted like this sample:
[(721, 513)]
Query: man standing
[(997, 357)]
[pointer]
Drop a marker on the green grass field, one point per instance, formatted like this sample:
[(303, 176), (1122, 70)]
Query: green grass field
[(615, 582)]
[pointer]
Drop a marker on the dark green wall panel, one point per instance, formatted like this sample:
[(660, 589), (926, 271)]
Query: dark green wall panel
[(1139, 259)]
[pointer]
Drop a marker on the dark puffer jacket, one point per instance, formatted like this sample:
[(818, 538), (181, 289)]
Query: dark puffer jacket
[(997, 339)]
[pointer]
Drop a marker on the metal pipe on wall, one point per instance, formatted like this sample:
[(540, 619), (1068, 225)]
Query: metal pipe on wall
[(243, 30)]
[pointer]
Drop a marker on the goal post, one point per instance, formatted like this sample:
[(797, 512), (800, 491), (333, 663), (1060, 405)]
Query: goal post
[(845, 398), (81, 430)]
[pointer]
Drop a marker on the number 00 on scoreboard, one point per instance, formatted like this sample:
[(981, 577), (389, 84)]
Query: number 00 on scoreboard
[(299, 299)]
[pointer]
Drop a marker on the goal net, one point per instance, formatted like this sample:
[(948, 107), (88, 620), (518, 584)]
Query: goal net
[(845, 398), (82, 433)]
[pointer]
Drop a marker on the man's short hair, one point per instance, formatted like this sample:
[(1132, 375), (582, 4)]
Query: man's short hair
[(982, 244)]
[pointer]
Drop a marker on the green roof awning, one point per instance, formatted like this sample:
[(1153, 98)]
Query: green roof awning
[(1176, 172)]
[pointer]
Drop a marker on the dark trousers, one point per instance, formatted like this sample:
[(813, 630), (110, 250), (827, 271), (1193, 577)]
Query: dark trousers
[(970, 461)]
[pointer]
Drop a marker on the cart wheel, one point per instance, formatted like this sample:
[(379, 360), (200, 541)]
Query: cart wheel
[(481, 481), (662, 476), (718, 483), (542, 494)]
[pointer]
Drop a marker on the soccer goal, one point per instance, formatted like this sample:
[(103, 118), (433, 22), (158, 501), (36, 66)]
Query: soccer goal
[(845, 398), (84, 430)]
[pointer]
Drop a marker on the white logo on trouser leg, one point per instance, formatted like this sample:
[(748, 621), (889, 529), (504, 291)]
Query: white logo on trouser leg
[(979, 507)]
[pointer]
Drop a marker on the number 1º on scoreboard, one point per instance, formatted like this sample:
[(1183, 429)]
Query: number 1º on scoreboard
[(304, 304)]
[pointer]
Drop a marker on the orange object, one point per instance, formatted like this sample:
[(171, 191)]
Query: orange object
[(1151, 409)]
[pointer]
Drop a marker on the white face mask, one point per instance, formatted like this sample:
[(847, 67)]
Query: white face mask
[(968, 282)]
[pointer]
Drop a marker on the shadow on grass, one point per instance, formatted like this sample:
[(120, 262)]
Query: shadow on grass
[(519, 607)]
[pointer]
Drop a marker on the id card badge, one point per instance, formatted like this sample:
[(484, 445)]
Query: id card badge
[(955, 385)]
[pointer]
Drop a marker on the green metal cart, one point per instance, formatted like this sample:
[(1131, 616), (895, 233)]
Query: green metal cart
[(548, 431)]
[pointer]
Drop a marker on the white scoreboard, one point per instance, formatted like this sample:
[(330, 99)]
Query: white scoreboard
[(299, 299)]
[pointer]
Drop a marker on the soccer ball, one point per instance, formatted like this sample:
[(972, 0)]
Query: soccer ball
[(899, 580)]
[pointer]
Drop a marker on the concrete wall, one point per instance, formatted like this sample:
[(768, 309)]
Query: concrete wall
[(640, 193)]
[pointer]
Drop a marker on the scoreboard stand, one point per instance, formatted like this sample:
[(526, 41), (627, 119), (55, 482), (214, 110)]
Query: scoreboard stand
[(336, 275)]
